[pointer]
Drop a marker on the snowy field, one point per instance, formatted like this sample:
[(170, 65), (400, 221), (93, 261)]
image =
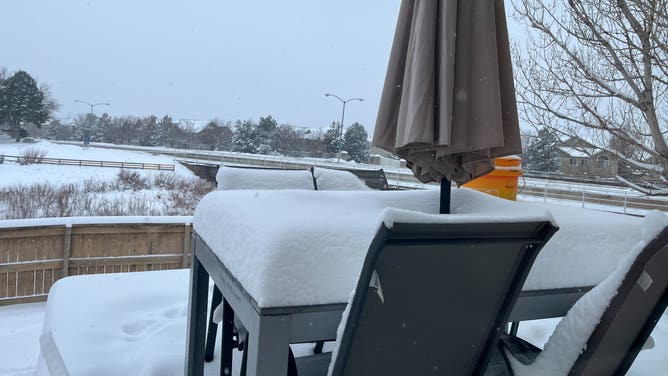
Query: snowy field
[(48, 190), (13, 173)]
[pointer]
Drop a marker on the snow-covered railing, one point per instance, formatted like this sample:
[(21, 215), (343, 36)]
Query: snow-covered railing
[(35, 253), (622, 202)]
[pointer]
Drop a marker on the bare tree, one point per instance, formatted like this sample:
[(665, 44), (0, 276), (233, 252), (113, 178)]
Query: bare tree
[(49, 101), (598, 69)]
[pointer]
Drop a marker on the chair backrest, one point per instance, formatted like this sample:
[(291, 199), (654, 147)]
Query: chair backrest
[(631, 316), (432, 298), (373, 178)]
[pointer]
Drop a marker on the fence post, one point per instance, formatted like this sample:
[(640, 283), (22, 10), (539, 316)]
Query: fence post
[(187, 234), (583, 197), (625, 196), (66, 250)]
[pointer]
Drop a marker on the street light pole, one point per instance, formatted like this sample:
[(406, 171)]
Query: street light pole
[(87, 132), (92, 104), (343, 114)]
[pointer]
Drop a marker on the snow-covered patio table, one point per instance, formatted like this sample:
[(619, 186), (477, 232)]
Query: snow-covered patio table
[(287, 260)]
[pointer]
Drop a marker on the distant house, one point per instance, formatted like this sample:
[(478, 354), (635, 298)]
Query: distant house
[(579, 157)]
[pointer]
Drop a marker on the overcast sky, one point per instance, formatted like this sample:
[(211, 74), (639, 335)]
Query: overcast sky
[(205, 59)]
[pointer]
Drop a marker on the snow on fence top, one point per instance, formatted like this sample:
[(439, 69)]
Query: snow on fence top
[(69, 221)]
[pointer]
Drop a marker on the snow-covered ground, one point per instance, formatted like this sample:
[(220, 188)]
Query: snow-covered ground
[(21, 326), (51, 190), (12, 173)]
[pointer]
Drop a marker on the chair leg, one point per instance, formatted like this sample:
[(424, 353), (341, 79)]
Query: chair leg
[(318, 347), (244, 357), (227, 340), (292, 364), (213, 327)]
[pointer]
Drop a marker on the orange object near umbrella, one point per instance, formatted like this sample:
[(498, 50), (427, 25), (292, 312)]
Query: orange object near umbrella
[(448, 105), (502, 181)]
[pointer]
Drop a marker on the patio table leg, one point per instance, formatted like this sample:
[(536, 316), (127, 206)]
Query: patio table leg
[(227, 340), (213, 327), (268, 346), (196, 336)]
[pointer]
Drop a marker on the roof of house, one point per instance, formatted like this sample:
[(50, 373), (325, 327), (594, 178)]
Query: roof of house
[(577, 153)]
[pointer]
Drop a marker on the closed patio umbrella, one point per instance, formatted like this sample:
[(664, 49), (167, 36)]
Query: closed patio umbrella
[(448, 104)]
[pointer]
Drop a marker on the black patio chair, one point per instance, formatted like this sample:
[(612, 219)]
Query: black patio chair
[(432, 299), (624, 326)]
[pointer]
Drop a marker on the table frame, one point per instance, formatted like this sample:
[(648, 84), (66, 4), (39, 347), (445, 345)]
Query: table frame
[(272, 330)]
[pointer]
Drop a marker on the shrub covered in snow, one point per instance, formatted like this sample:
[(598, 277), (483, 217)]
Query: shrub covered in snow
[(32, 155), (130, 194)]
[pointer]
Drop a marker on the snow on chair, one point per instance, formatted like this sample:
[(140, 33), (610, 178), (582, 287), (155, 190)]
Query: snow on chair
[(605, 330)]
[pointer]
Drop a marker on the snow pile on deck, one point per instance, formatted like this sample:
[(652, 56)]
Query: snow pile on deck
[(118, 324), (273, 241), (338, 180), (258, 178), (570, 337)]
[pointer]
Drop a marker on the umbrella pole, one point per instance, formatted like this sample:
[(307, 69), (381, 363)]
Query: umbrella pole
[(445, 196)]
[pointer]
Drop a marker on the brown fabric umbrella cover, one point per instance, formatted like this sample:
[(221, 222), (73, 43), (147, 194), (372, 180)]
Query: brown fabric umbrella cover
[(448, 104)]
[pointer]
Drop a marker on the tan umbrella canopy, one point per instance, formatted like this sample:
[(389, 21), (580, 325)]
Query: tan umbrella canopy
[(448, 105)]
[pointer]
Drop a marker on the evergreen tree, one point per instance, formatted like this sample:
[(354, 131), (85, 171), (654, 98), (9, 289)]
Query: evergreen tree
[(266, 130), (542, 153), (246, 137), (22, 103), (84, 125), (164, 128), (356, 143), (332, 139), (149, 131), (103, 128)]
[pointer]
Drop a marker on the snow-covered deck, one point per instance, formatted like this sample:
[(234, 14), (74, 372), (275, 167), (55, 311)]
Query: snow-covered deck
[(135, 323), (128, 322)]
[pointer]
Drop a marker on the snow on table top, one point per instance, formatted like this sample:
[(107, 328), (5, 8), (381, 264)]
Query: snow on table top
[(99, 331), (585, 250), (307, 247)]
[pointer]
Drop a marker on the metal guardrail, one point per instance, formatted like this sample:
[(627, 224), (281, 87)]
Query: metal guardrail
[(626, 203), (89, 163)]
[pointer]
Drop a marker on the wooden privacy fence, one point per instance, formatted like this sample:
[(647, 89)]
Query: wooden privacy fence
[(33, 258)]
